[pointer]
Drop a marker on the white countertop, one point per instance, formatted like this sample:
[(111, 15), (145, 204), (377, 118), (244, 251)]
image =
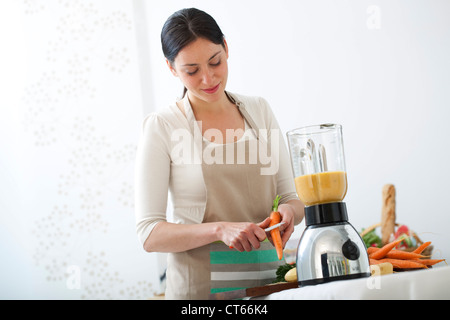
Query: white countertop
[(424, 284)]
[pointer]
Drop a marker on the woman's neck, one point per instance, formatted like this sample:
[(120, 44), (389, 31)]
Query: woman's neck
[(202, 106), (221, 115)]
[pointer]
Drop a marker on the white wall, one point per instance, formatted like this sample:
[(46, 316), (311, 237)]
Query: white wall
[(380, 68)]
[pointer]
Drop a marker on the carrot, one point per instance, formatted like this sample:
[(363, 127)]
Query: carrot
[(422, 247), (429, 262), (403, 255), (381, 253), (401, 259), (373, 261), (404, 264), (275, 218), (398, 254), (372, 250)]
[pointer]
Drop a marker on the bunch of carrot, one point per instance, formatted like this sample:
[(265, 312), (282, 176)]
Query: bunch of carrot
[(401, 259)]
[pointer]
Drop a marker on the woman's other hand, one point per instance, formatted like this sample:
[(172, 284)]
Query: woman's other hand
[(243, 236), (288, 211)]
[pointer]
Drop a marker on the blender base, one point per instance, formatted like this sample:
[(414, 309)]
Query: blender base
[(330, 248), (313, 282)]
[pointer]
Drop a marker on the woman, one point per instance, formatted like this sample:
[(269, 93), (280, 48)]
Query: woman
[(223, 159)]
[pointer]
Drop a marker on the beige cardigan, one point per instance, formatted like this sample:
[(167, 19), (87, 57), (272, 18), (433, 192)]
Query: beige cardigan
[(167, 160)]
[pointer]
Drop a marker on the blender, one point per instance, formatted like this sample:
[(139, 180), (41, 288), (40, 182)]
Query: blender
[(330, 248)]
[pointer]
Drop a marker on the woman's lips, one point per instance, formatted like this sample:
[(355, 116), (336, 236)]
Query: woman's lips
[(211, 90)]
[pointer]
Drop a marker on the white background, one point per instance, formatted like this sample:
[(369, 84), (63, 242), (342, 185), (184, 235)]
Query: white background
[(77, 77), (379, 68)]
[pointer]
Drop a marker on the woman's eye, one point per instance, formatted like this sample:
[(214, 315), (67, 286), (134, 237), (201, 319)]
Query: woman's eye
[(191, 73), (215, 64)]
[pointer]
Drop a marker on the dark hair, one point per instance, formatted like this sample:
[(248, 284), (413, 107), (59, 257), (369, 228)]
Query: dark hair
[(186, 26)]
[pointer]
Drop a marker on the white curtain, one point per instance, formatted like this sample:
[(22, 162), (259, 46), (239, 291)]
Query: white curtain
[(71, 108)]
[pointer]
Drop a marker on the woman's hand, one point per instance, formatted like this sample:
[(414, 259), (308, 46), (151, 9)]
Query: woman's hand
[(288, 211), (243, 236)]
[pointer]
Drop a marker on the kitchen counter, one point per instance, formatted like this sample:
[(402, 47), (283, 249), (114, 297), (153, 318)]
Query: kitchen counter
[(421, 284)]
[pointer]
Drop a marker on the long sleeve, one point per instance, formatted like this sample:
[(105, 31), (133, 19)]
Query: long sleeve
[(285, 179), (152, 172)]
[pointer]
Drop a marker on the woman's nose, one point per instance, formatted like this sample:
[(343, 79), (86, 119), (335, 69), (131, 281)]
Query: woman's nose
[(208, 76)]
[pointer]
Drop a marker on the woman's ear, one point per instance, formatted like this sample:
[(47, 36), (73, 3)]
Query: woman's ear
[(172, 69), (226, 47)]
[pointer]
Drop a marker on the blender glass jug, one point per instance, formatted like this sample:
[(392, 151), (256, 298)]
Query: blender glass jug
[(317, 154)]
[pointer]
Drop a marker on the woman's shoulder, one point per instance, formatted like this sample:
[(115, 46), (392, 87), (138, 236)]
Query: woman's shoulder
[(256, 106), (168, 117), (249, 101)]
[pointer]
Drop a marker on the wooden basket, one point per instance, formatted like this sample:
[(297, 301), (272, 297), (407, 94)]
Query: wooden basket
[(427, 252)]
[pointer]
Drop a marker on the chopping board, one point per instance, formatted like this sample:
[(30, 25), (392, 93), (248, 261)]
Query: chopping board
[(253, 292)]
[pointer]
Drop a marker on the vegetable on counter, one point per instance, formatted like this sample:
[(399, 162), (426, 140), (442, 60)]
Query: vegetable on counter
[(291, 275), (283, 270), (371, 239), (398, 254), (380, 268), (409, 239), (422, 247), (403, 232), (430, 262), (396, 246), (401, 260), (275, 218), (404, 264), (381, 253)]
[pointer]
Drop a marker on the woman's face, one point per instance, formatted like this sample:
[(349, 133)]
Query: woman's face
[(203, 69)]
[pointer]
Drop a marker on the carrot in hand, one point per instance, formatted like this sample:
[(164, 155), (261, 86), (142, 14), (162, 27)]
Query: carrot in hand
[(381, 253), (275, 218)]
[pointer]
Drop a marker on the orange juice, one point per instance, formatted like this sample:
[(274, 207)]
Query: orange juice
[(323, 187)]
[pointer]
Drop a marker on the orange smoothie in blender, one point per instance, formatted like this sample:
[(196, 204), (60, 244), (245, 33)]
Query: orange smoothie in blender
[(322, 187)]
